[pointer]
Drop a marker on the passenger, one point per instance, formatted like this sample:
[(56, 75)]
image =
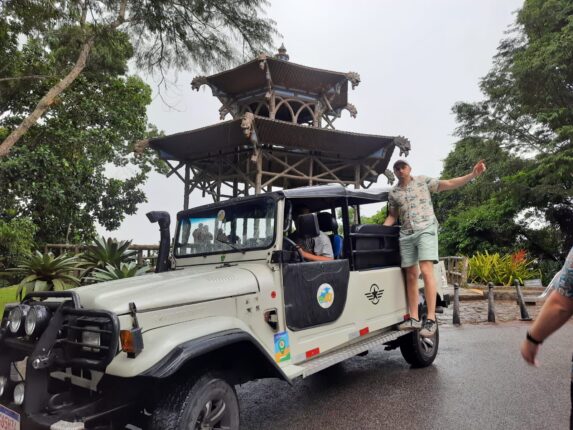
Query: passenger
[(318, 248)]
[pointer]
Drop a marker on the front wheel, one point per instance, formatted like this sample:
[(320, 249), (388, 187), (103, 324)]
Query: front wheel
[(206, 402), (417, 350)]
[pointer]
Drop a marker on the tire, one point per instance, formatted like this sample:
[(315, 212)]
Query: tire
[(420, 351), (206, 401)]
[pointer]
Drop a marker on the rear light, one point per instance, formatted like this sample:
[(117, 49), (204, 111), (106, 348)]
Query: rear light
[(131, 341)]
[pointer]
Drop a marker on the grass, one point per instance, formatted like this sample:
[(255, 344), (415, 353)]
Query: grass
[(7, 295)]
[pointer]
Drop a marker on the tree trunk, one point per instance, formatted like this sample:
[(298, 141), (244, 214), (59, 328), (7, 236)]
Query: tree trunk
[(48, 99)]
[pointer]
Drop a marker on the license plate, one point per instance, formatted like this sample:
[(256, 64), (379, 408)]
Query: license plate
[(9, 420)]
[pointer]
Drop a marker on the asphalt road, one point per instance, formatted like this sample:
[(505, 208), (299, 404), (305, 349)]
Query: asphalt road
[(478, 381)]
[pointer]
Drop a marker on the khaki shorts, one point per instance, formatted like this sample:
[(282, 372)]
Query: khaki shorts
[(420, 246)]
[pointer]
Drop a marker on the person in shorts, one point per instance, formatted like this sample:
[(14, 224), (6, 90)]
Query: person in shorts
[(410, 203), (556, 311)]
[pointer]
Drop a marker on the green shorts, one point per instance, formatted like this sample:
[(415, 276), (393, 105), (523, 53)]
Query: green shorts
[(420, 246)]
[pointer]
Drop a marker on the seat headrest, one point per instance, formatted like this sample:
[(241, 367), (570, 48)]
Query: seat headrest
[(327, 222), (307, 226)]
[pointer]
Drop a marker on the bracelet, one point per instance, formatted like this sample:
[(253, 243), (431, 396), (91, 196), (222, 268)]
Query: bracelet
[(532, 339)]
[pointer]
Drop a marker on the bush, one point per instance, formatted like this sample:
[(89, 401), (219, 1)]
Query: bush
[(16, 242), (501, 270), (44, 272)]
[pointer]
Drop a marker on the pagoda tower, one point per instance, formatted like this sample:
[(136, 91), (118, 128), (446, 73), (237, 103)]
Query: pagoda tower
[(280, 133)]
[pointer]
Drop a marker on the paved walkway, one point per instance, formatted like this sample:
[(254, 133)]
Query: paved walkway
[(474, 306)]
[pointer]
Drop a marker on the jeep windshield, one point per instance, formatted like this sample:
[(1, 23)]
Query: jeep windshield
[(238, 227)]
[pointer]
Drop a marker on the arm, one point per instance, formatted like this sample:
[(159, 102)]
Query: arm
[(452, 184), (555, 312), (392, 217), (308, 256)]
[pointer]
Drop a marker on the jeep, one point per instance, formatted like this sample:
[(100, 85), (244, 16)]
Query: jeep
[(231, 301)]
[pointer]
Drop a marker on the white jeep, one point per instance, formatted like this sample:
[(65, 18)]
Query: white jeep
[(234, 302)]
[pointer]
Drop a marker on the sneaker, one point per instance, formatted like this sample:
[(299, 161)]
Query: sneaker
[(429, 329), (411, 324)]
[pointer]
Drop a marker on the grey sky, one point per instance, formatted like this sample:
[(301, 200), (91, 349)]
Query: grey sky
[(416, 58)]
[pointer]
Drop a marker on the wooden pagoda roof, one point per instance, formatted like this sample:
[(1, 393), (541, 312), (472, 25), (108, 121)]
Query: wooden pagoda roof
[(251, 76), (292, 143)]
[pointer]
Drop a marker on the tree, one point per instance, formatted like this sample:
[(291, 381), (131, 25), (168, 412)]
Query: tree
[(57, 176), (164, 33), (528, 113)]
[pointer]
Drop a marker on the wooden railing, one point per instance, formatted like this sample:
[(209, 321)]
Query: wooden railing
[(146, 254), (456, 270)]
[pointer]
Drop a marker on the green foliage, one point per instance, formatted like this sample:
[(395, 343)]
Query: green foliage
[(378, 218), (501, 270), (112, 273), (524, 130), (16, 241), (7, 295), (45, 272), (57, 174), (107, 252)]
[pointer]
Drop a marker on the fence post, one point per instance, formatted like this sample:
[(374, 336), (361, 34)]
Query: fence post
[(456, 319), (490, 307), (522, 309)]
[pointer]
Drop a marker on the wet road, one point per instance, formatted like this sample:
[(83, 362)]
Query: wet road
[(478, 381)]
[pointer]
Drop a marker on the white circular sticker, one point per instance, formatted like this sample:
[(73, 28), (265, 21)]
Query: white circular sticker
[(221, 215), (325, 296)]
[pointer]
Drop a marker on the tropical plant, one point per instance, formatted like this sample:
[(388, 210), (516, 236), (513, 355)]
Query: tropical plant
[(501, 270), (45, 272), (103, 252), (112, 273)]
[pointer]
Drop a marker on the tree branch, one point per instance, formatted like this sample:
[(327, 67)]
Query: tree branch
[(46, 101)]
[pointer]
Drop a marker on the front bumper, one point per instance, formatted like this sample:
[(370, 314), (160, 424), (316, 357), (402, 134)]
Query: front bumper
[(92, 415)]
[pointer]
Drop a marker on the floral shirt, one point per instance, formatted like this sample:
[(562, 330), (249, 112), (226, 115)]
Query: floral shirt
[(564, 281), (414, 203)]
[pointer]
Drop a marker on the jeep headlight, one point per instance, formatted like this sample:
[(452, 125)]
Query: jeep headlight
[(3, 385), (37, 320), (19, 394), (16, 318), (91, 338)]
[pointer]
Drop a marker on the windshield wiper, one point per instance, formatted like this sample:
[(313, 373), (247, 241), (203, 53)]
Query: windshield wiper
[(232, 245)]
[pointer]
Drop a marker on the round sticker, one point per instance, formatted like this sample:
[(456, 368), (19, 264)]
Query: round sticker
[(221, 215), (325, 296)]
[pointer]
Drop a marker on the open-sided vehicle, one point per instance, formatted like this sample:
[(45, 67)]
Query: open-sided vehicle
[(234, 302)]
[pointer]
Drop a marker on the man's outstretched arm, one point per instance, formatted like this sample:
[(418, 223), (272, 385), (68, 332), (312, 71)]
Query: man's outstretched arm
[(452, 184), (391, 218)]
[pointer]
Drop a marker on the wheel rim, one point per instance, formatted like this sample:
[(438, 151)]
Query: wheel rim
[(214, 416), (427, 344)]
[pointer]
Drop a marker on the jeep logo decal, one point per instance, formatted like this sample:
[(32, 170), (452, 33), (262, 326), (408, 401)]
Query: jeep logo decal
[(375, 294), (325, 296)]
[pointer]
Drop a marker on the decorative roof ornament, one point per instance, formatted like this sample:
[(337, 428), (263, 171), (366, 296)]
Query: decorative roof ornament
[(198, 82), (404, 145), (282, 54), (390, 175), (353, 78)]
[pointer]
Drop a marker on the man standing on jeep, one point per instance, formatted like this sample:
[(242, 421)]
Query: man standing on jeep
[(410, 202)]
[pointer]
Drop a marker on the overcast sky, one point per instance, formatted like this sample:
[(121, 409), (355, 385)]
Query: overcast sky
[(416, 58)]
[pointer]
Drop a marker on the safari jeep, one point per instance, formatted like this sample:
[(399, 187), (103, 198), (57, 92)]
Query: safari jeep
[(233, 302)]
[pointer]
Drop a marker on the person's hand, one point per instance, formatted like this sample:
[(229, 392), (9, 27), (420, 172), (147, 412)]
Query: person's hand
[(529, 352), (479, 168)]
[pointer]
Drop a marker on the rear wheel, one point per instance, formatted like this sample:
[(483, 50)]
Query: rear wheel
[(200, 403), (417, 350)]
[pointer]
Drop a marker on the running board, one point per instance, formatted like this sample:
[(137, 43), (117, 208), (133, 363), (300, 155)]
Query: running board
[(331, 358)]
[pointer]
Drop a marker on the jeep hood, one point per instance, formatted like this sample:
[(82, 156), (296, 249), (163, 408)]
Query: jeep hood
[(168, 289)]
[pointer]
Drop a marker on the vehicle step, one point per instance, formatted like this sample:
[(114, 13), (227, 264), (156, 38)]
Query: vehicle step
[(331, 358)]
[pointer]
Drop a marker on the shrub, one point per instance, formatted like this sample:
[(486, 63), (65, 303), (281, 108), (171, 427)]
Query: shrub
[(103, 252), (112, 273), (44, 272), (501, 270)]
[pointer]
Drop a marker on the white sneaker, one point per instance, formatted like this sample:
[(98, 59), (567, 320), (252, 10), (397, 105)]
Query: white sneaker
[(429, 329), (409, 325)]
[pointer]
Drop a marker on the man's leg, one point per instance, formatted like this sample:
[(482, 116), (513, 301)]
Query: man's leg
[(427, 269), (412, 291)]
